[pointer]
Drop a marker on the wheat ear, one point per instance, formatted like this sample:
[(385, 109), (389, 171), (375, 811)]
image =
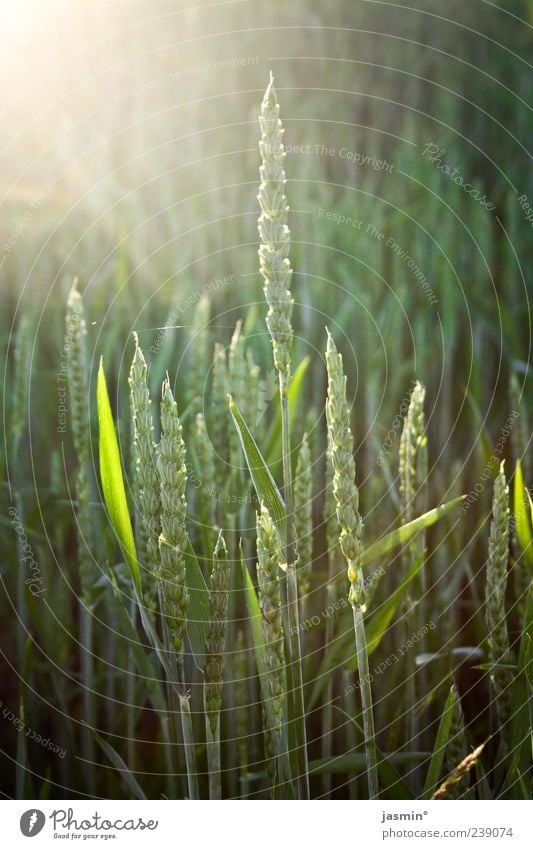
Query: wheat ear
[(351, 524), (214, 663), (275, 268), (495, 613), (146, 475)]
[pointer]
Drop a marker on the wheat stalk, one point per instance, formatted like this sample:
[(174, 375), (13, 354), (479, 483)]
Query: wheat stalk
[(214, 662), (456, 748), (274, 232), (275, 268), (351, 524), (495, 613), (198, 353), (206, 491), (303, 517), (237, 374), (220, 423), (269, 558), (412, 474), (173, 537), (78, 384), (172, 547), (146, 475), (333, 590)]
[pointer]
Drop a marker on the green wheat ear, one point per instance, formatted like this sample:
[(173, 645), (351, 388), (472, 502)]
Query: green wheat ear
[(199, 353), (303, 516), (173, 538), (340, 441), (274, 233), (216, 637), (146, 476), (78, 384), (495, 613), (456, 748), (206, 494), (219, 416), (268, 570), (344, 488), (413, 454)]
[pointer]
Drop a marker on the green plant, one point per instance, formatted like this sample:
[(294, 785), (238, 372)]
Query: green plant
[(495, 613)]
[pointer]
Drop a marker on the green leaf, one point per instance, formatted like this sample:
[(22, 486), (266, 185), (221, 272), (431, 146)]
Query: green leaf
[(272, 442), (264, 483), (125, 773), (113, 481), (401, 536), (441, 741), (522, 519), (198, 610), (342, 646)]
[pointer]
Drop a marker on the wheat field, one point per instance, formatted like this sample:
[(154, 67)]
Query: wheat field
[(268, 518)]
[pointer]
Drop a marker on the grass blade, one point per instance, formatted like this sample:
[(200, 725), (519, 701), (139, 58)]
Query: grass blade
[(441, 741), (401, 536), (125, 773), (273, 440), (264, 483), (522, 519), (113, 481)]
